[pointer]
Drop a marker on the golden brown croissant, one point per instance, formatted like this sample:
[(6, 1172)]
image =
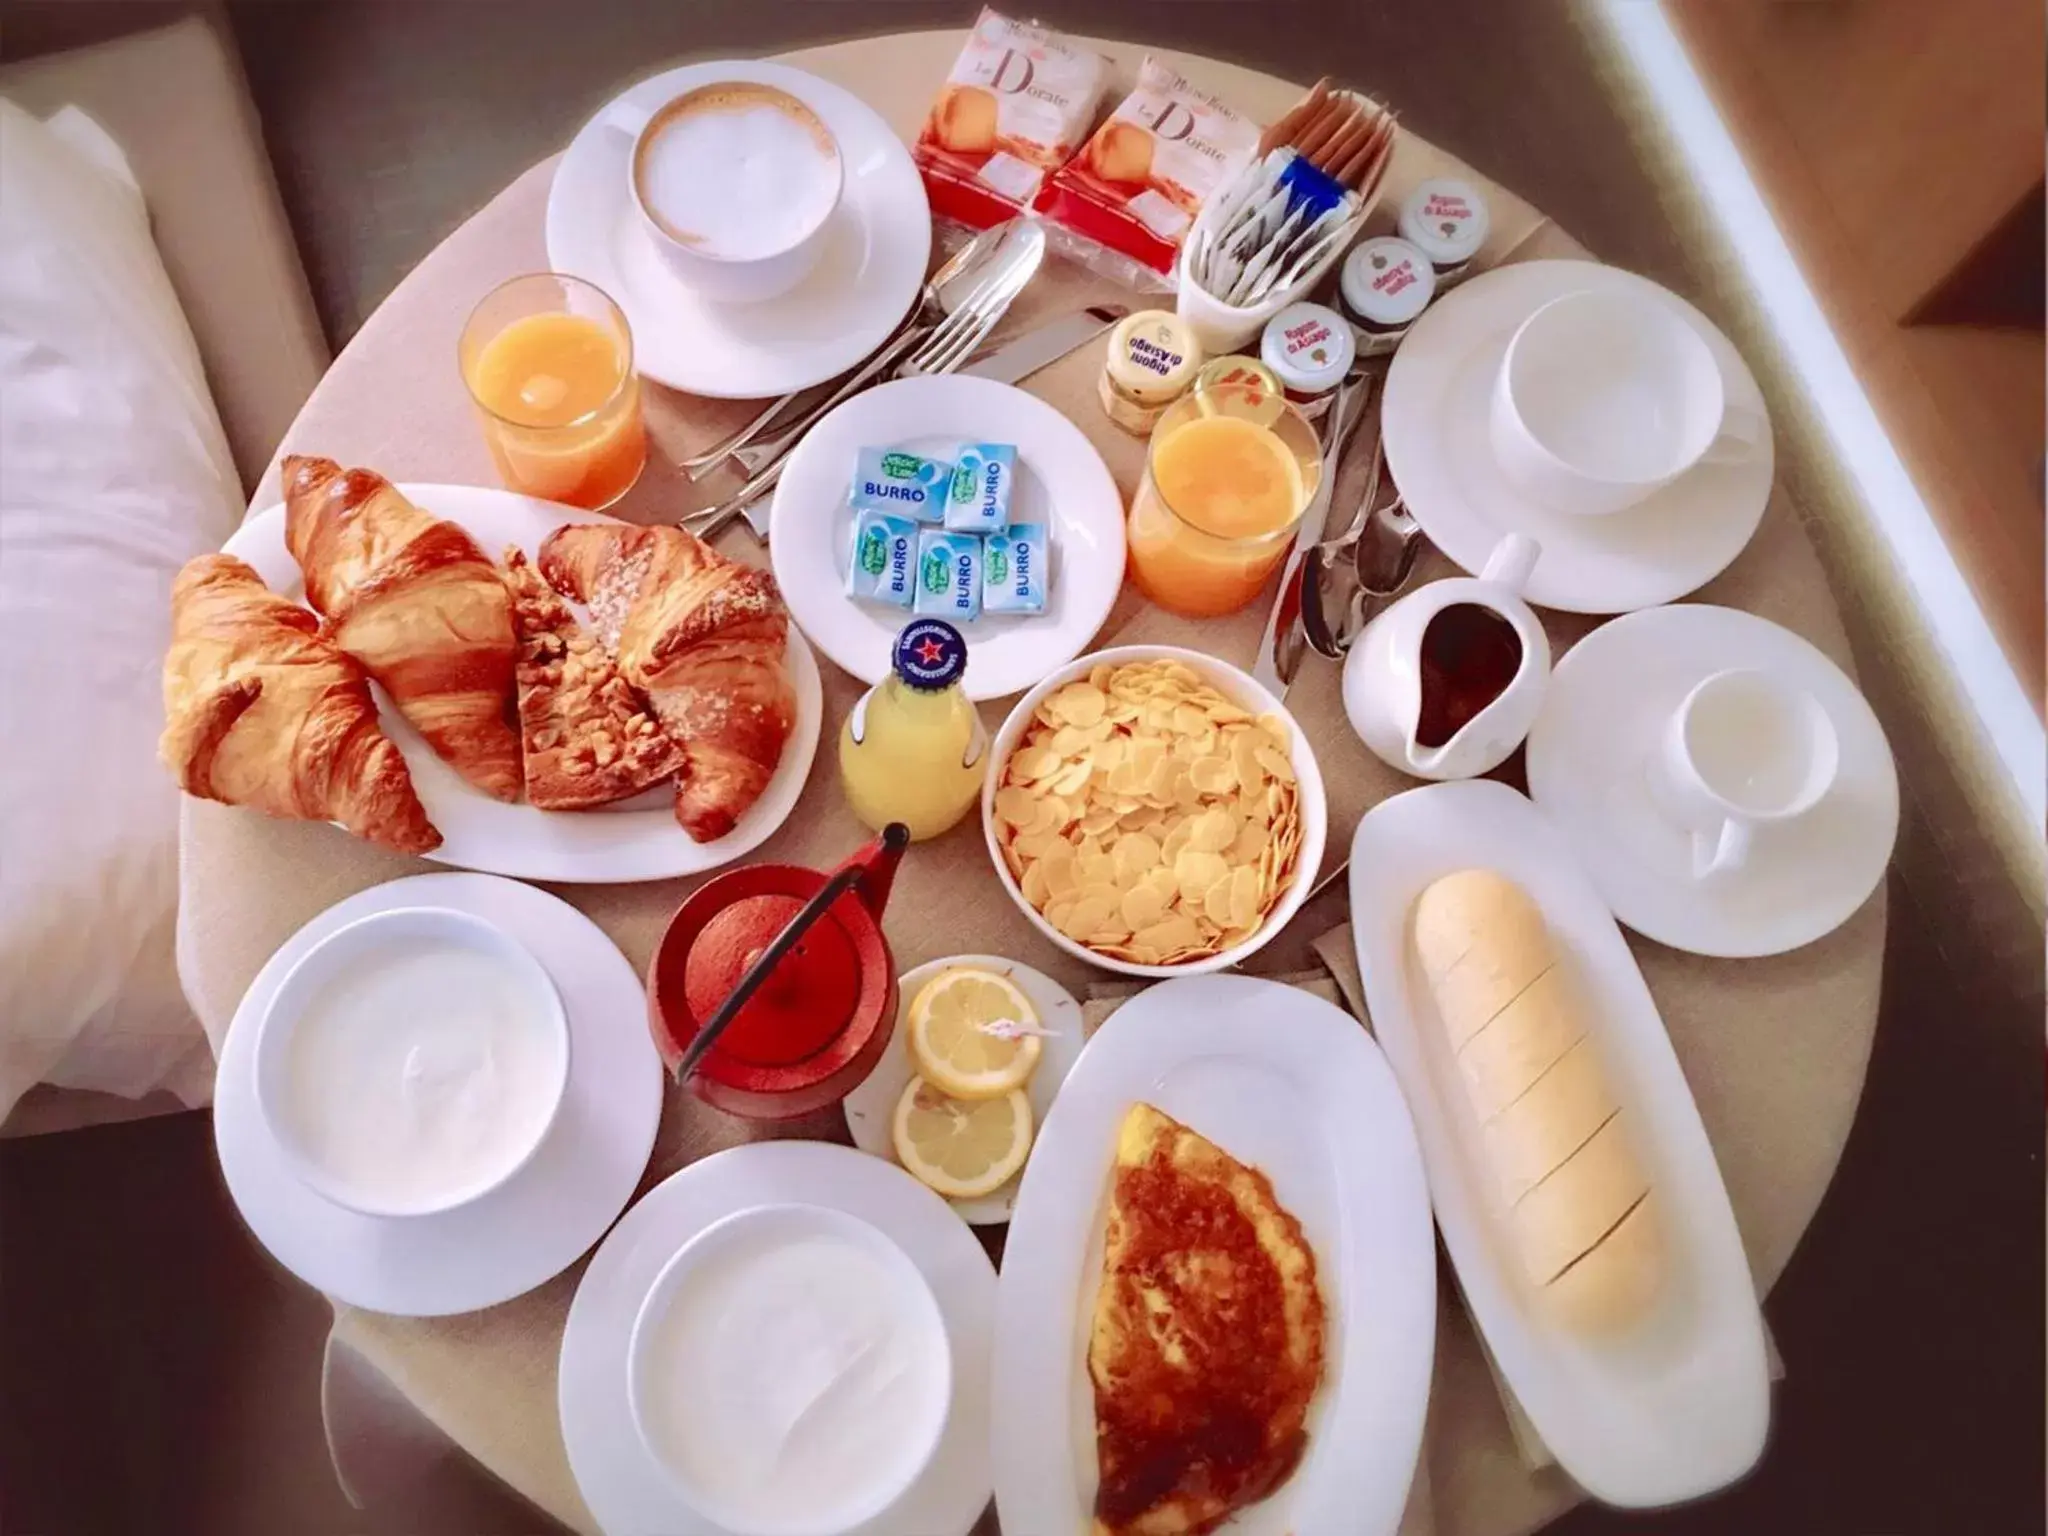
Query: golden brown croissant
[(705, 638), (260, 710), (412, 598)]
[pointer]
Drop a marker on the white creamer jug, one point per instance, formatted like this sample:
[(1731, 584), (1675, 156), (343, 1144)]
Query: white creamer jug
[(1445, 683)]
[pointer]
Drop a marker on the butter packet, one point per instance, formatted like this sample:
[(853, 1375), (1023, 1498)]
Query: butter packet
[(1016, 570), (883, 565), (900, 484), (948, 576), (978, 499)]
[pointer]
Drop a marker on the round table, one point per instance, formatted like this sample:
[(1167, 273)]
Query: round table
[(1775, 1049)]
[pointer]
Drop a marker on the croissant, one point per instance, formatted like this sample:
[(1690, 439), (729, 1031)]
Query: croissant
[(260, 710), (412, 598), (705, 638)]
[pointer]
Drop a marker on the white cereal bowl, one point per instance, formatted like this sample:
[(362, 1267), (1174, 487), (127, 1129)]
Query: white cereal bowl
[(763, 1223), (1236, 686), (356, 945)]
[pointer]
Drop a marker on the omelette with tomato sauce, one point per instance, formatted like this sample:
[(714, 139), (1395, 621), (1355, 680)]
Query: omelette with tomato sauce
[(1207, 1343)]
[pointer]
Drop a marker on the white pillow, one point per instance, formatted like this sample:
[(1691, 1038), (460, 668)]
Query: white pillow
[(113, 473)]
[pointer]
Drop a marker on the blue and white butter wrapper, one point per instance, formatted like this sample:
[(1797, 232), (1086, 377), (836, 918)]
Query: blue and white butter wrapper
[(948, 575), (1016, 570), (978, 501), (882, 567), (901, 484)]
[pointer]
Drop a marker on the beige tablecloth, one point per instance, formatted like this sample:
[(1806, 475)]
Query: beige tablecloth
[(1774, 1049)]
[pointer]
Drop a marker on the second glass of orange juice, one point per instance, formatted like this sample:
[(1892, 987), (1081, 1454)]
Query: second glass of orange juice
[(1228, 475), (548, 359)]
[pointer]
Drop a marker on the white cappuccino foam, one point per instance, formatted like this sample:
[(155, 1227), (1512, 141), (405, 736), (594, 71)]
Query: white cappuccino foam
[(738, 175)]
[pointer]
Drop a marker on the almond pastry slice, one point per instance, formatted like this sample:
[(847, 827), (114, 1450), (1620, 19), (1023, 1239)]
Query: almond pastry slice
[(589, 739)]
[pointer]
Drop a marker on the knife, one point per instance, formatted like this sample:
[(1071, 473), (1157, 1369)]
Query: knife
[(1011, 363), (1280, 643)]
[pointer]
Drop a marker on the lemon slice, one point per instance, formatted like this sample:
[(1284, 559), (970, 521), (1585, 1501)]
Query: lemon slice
[(949, 1040), (963, 1148)]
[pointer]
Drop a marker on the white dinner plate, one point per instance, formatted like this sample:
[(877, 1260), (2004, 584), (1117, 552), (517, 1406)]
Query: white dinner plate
[(539, 1221), (636, 839), (871, 1107), (1680, 1406), (1434, 419), (871, 268), (628, 1493), (1061, 482), (1295, 1087), (1589, 757)]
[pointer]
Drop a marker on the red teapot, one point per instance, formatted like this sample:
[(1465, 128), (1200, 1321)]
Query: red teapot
[(819, 1004)]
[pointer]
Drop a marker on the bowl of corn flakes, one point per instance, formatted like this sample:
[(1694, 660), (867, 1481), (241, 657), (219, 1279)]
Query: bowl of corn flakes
[(1154, 811)]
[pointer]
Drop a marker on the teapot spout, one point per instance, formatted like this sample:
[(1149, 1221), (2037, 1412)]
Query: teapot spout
[(877, 862)]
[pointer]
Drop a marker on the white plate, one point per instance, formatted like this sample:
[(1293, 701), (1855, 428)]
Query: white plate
[(1294, 1086), (1061, 482), (628, 1494), (1438, 451), (871, 268), (636, 839), (536, 1224), (1588, 768), (871, 1107), (1681, 1406), (1234, 685)]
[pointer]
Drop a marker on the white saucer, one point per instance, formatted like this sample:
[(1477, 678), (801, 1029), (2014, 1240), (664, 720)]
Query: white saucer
[(1588, 768), (627, 1492), (1440, 454), (540, 1221), (871, 1107), (872, 266), (1061, 482)]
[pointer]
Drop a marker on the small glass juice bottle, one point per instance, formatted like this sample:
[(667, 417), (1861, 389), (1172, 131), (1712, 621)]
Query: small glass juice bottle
[(913, 749)]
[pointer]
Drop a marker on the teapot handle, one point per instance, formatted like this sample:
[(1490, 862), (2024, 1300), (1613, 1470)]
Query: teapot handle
[(1512, 561)]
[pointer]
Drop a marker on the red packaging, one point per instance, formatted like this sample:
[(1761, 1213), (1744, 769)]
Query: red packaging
[(1016, 102), (1139, 182)]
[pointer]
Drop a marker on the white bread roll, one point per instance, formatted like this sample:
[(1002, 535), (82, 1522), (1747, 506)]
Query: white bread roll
[(1555, 1138)]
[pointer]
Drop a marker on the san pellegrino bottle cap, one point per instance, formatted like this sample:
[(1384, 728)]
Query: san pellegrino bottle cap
[(930, 654)]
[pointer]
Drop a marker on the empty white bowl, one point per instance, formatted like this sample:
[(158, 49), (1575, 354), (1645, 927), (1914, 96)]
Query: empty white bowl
[(384, 1085), (755, 1358), (1240, 689)]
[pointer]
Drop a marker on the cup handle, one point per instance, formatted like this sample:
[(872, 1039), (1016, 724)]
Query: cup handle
[(1741, 437), (1716, 853), (1511, 561), (626, 118)]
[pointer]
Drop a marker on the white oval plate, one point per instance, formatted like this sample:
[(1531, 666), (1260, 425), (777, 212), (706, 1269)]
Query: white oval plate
[(871, 1107), (628, 1493), (1680, 1406), (1061, 482), (1589, 753), (1434, 419), (636, 839), (872, 266), (540, 1220), (1294, 1086)]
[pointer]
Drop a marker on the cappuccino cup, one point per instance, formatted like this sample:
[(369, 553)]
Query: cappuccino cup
[(1605, 397), (735, 183)]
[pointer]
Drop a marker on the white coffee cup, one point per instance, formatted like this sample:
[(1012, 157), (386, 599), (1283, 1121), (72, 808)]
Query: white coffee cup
[(735, 183), (1744, 749), (1606, 396)]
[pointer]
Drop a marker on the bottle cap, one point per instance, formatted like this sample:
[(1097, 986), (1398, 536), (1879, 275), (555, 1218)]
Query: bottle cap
[(1447, 219), (1387, 282), (930, 654), (1258, 387), (1153, 357), (1309, 347)]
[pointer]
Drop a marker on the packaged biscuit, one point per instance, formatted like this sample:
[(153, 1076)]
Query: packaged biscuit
[(1137, 185), (1018, 99)]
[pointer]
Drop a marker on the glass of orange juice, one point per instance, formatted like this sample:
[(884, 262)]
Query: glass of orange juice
[(548, 359), (1228, 475)]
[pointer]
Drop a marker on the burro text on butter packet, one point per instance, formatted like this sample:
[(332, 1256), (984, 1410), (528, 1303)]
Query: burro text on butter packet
[(906, 484), (949, 575), (979, 498)]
